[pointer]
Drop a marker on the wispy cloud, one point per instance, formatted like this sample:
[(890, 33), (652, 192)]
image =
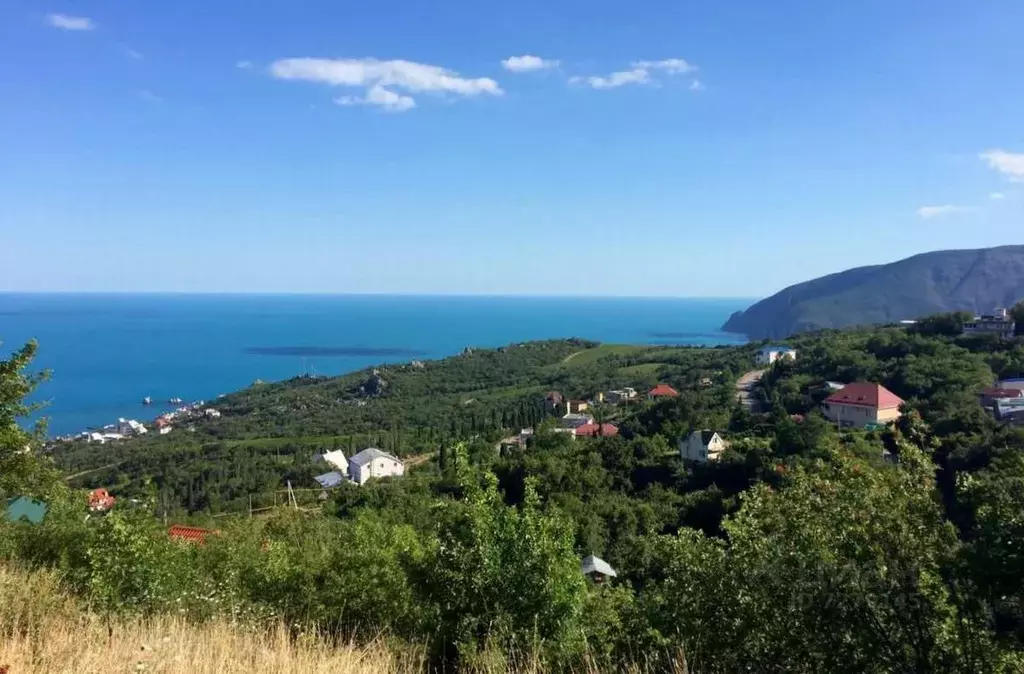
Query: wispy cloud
[(527, 63), (132, 54), (381, 79), (616, 79), (929, 212), (243, 65), (65, 22), (149, 96), (1010, 164), (696, 85), (671, 66), (640, 72), (996, 196), (379, 96)]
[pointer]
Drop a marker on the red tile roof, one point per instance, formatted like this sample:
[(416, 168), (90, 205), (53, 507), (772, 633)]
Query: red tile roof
[(593, 430), (191, 534), (100, 500), (867, 395), (996, 392), (662, 391)]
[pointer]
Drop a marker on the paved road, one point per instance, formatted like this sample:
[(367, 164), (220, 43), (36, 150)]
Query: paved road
[(744, 387)]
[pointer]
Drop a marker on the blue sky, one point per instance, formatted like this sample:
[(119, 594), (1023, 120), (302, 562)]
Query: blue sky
[(655, 148)]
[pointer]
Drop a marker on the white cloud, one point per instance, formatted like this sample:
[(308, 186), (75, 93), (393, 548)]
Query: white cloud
[(621, 78), (996, 195), (929, 212), (639, 73), (243, 65), (65, 22), (378, 95), (382, 78), (527, 63), (132, 54), (696, 85), (149, 96), (1010, 164), (671, 66)]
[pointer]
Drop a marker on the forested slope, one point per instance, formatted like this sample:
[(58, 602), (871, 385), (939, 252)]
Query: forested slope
[(930, 283), (805, 548)]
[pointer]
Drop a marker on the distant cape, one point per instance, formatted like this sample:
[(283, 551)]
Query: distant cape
[(930, 283)]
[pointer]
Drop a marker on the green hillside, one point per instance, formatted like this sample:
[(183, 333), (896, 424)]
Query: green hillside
[(804, 547)]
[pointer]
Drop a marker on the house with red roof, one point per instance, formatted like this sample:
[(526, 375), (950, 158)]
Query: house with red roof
[(100, 501), (862, 403), (181, 532), (662, 391), (990, 395), (597, 430)]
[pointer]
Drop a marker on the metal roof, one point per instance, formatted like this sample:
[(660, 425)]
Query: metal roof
[(332, 479), (593, 564), (336, 458), (369, 454), (776, 347)]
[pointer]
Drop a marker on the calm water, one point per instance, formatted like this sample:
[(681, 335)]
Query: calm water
[(108, 351)]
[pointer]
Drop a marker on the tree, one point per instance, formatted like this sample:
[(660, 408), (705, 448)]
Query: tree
[(1017, 312), (21, 471), (502, 577), (858, 549)]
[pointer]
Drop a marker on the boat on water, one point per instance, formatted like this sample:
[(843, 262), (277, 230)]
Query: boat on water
[(175, 401), (147, 401)]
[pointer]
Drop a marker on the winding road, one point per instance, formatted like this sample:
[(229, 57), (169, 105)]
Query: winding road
[(744, 390)]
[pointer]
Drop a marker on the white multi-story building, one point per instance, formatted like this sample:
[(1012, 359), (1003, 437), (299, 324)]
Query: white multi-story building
[(372, 462), (769, 354)]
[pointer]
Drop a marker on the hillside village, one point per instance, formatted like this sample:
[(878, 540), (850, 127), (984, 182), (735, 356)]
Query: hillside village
[(622, 471)]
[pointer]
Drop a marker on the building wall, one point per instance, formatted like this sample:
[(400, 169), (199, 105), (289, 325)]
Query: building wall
[(692, 449), (858, 416), (886, 416), (772, 356), (376, 468)]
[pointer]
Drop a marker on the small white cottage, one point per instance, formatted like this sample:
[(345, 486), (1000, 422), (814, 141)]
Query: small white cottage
[(702, 446)]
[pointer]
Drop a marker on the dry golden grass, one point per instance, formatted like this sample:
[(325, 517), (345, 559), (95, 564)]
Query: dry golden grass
[(44, 632)]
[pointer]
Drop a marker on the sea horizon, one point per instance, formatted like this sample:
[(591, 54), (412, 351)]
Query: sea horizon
[(260, 293), (107, 351)]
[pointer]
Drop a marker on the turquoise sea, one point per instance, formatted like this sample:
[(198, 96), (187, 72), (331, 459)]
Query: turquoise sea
[(108, 351)]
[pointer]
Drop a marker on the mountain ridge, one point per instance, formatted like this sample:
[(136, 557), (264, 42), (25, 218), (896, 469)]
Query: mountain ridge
[(927, 283)]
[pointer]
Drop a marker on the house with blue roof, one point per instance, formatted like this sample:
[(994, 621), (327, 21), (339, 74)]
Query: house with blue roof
[(770, 354)]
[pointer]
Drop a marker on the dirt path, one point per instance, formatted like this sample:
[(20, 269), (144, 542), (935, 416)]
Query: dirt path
[(744, 390), (69, 478), (573, 355), (419, 459)]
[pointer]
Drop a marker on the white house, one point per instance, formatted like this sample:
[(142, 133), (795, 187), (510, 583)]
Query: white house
[(622, 395), (769, 354), (373, 463), (211, 413), (336, 459), (130, 427), (702, 446), (575, 420)]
